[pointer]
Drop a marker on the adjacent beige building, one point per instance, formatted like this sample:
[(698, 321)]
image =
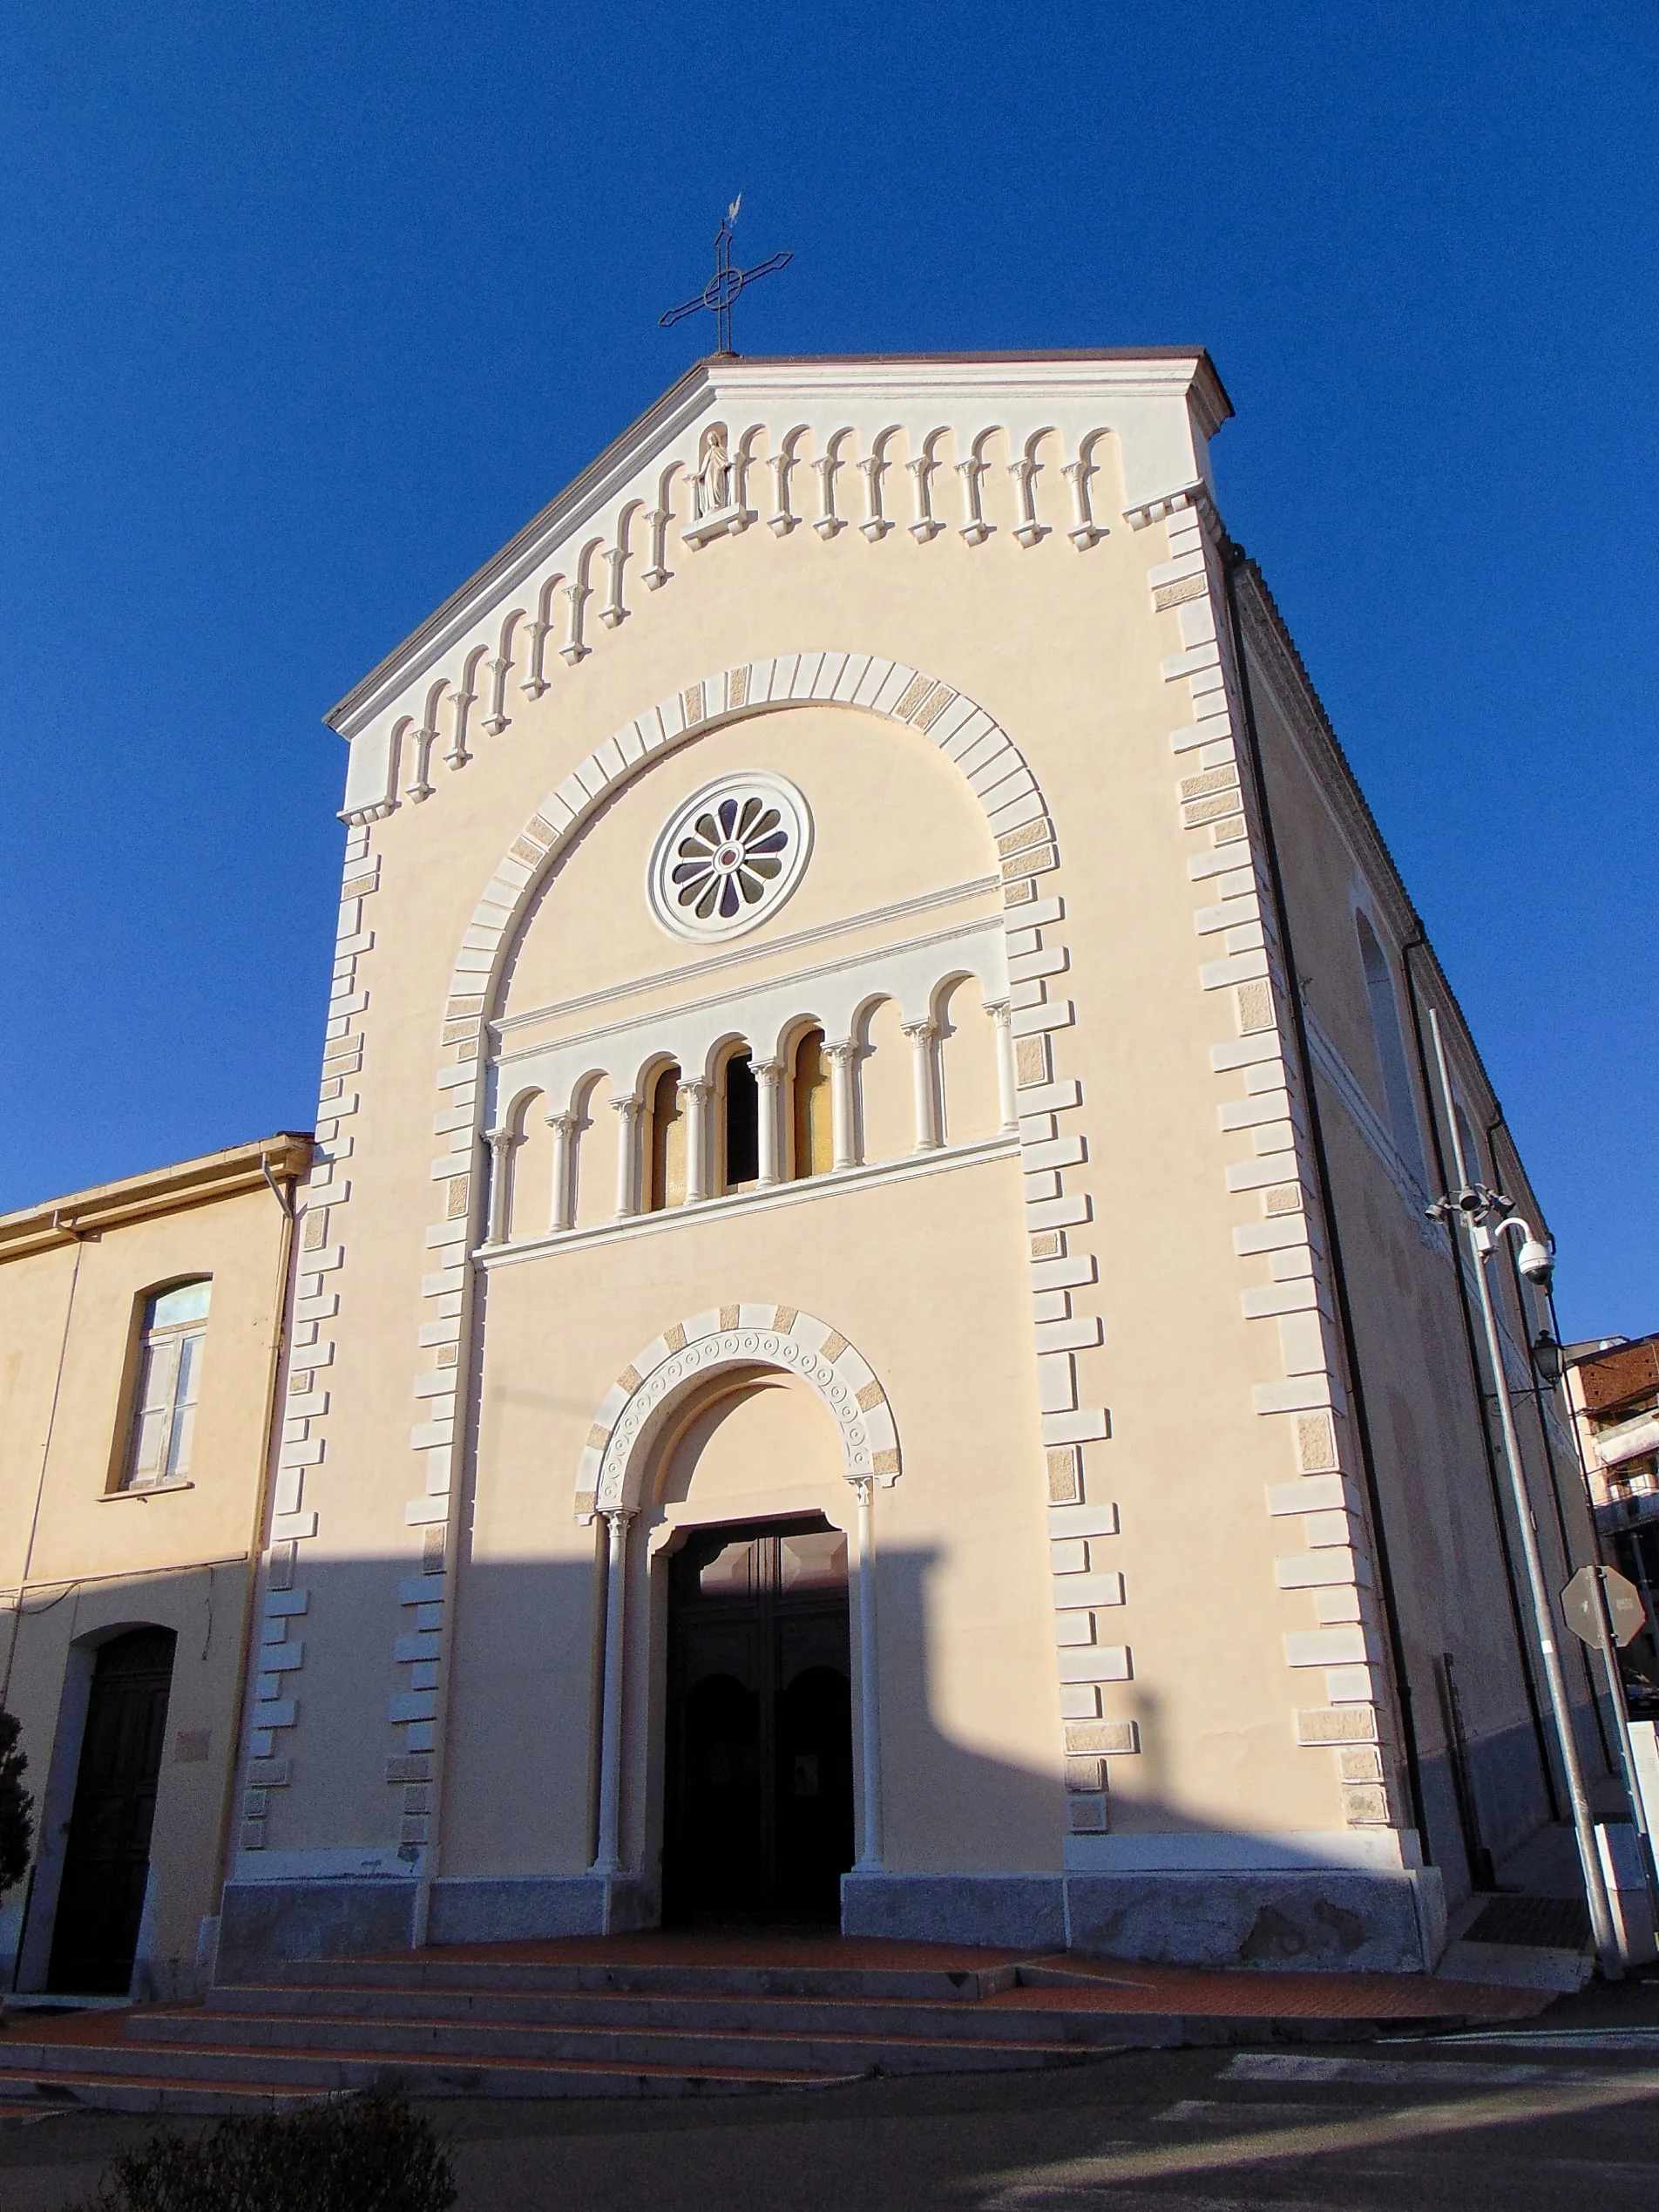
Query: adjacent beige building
[(140, 1328), (864, 1341)]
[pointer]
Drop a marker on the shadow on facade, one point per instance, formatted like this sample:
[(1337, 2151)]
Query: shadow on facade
[(974, 1846)]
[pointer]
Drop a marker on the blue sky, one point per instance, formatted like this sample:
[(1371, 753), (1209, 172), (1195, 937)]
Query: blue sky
[(307, 309)]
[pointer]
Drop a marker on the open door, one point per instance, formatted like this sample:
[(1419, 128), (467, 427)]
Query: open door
[(758, 1807)]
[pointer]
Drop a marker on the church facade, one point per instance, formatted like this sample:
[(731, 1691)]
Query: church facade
[(864, 1344)]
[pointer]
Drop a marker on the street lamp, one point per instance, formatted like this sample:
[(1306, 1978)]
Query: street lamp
[(1486, 1215), (1548, 1360)]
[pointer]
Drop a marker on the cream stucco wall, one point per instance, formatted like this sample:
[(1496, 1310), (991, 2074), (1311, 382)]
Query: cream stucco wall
[(1455, 1553), (1146, 1241), (82, 1560)]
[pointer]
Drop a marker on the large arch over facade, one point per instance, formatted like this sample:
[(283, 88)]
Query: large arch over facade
[(611, 1467), (965, 732)]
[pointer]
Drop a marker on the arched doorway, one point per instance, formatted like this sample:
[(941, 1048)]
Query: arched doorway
[(758, 1797), (107, 1862)]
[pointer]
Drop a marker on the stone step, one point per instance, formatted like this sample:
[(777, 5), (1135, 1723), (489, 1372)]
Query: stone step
[(110, 2076), (429, 1970), (1005, 2019), (852, 2050), (47, 2095)]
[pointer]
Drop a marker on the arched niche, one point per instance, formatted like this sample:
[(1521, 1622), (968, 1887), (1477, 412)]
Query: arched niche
[(893, 821)]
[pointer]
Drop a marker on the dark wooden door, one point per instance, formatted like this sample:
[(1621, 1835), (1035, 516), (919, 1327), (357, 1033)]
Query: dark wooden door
[(758, 1816), (106, 1865)]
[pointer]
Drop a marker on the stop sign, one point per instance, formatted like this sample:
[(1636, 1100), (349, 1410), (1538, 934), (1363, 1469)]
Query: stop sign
[(1584, 1615)]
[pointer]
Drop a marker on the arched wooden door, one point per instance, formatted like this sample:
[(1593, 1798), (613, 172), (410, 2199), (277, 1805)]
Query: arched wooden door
[(758, 1808), (106, 1865)]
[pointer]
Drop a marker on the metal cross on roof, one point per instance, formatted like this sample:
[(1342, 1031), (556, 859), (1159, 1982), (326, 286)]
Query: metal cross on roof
[(725, 284)]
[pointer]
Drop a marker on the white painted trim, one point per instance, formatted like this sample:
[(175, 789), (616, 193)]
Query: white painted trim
[(835, 998), (631, 1417), (796, 816), (665, 979), (901, 1169)]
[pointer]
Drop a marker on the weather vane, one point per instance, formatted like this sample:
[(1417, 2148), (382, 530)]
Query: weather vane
[(725, 284)]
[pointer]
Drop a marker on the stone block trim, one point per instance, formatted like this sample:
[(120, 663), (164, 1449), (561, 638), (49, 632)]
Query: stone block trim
[(760, 1334), (1027, 852), (322, 1252), (1242, 972)]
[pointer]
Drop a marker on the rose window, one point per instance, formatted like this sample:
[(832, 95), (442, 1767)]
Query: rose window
[(729, 856)]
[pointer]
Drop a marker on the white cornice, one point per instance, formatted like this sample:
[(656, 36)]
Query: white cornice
[(772, 948), (1155, 373), (599, 482), (836, 1185), (874, 390)]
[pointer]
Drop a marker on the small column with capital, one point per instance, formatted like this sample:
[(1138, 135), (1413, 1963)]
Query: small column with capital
[(693, 1098), (869, 1847), (501, 1142), (563, 1127), (627, 1154), (843, 1136), (1001, 1013), (608, 1858), (922, 1035), (768, 1084)]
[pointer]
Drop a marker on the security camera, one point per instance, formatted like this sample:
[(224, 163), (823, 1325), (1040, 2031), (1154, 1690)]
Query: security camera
[(1536, 1262)]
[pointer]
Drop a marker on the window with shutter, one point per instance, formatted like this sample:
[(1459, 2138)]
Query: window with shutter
[(169, 1379)]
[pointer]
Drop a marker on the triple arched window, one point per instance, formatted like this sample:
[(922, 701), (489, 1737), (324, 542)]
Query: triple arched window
[(809, 1106)]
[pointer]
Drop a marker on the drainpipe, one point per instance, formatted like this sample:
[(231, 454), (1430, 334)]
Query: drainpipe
[(280, 1333), (1595, 1695), (69, 1230), (1234, 558), (1417, 943)]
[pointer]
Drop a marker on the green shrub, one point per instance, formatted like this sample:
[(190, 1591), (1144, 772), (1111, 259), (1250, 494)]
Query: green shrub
[(15, 1804), (369, 2154)]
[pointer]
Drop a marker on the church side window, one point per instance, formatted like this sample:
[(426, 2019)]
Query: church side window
[(169, 1378), (741, 1122), (809, 1090), (668, 1137), (1391, 1048)]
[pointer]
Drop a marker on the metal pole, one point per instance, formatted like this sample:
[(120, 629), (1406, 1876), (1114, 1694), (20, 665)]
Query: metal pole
[(1621, 1716), (1602, 1919), (1609, 1647)]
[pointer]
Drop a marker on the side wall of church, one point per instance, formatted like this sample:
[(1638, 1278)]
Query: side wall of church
[(1453, 1553)]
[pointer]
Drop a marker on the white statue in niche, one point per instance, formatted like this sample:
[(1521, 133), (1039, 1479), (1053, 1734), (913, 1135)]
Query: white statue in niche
[(715, 478)]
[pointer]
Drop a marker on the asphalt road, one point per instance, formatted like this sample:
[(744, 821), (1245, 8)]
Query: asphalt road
[(1565, 2113)]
